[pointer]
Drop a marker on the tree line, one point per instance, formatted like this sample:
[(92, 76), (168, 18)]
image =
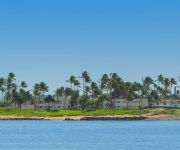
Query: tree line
[(88, 93)]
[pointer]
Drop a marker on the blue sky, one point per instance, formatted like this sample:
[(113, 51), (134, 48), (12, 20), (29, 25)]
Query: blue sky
[(48, 40)]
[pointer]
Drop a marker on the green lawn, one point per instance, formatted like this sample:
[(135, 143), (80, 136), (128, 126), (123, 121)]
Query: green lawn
[(98, 112)]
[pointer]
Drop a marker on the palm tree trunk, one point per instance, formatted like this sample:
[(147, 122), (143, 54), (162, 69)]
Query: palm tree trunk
[(83, 84), (64, 102), (71, 86), (3, 97), (35, 103), (74, 87), (127, 104)]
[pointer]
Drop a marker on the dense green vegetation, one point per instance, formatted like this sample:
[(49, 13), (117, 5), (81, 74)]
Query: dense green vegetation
[(98, 112), (107, 88)]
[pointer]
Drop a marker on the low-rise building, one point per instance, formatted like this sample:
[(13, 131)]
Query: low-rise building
[(168, 103), (131, 104), (123, 104), (58, 104)]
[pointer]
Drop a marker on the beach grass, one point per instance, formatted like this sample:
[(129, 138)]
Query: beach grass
[(97, 112)]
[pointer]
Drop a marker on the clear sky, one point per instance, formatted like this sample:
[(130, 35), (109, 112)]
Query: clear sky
[(48, 40)]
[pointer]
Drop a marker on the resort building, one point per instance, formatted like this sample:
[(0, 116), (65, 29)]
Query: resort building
[(123, 104), (168, 103), (58, 104), (64, 103), (132, 104)]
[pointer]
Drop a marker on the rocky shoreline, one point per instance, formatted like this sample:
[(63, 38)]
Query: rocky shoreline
[(95, 118), (115, 118)]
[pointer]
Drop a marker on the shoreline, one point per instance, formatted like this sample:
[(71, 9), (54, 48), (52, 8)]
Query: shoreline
[(96, 118)]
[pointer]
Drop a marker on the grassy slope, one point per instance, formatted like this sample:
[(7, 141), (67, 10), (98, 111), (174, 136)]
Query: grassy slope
[(98, 112)]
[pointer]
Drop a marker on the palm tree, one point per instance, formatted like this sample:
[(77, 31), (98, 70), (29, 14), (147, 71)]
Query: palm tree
[(86, 79), (37, 93), (43, 88), (167, 84), (2, 88), (115, 87), (13, 90), (87, 90), (59, 92), (11, 76), (95, 89), (147, 82), (74, 98), (67, 93), (104, 81), (129, 92), (154, 95), (160, 79), (71, 80), (49, 99), (139, 89), (9, 86), (103, 98), (172, 82), (24, 85), (22, 96), (76, 84)]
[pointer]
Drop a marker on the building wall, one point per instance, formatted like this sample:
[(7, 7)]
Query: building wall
[(60, 103), (122, 104), (133, 104), (168, 103)]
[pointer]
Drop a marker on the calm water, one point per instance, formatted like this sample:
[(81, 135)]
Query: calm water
[(87, 135)]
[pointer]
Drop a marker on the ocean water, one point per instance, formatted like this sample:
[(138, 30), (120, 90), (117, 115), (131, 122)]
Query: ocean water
[(89, 135)]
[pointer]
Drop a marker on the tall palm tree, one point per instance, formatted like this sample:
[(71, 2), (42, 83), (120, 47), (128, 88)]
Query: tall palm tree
[(87, 90), (76, 84), (74, 98), (115, 87), (36, 93), (104, 81), (13, 90), (160, 79), (2, 88), (9, 86), (167, 84), (138, 88), (24, 85), (67, 93), (172, 83), (71, 80), (95, 89), (147, 82), (49, 99), (129, 92), (59, 92), (22, 96), (11, 76), (86, 79), (43, 88)]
